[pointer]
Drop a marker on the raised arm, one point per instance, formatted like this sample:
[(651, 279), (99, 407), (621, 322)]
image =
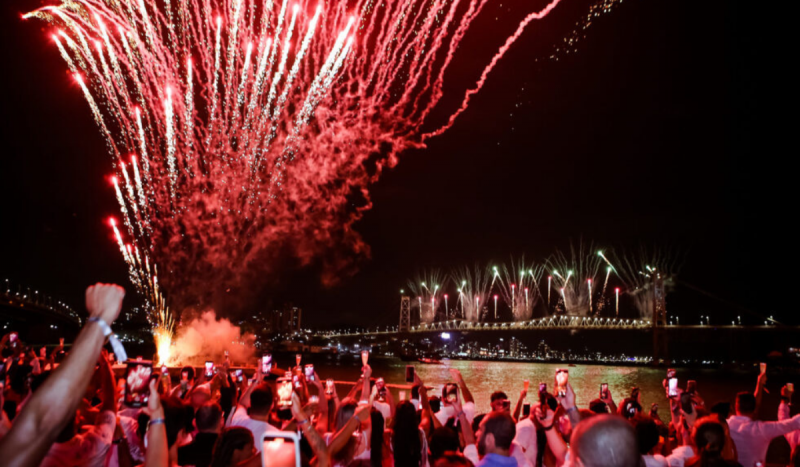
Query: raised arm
[(365, 384), (157, 454), (522, 395), (341, 438), (316, 442), (554, 439), (107, 385), (37, 426), (463, 385)]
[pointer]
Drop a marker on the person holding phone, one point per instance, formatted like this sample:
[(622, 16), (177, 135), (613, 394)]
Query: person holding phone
[(784, 413), (254, 408), (449, 391)]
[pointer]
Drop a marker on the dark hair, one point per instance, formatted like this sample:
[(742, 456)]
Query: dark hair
[(443, 439), (376, 438), (261, 399), (476, 422), (208, 416), (346, 410), (709, 437), (722, 409), (598, 406), (646, 433), (745, 402), (629, 404), (229, 440), (453, 460), (498, 395), (445, 390), (190, 370), (502, 427), (176, 418), (405, 440), (415, 391)]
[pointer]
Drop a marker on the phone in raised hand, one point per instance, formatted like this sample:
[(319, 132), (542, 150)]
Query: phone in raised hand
[(672, 387), (562, 377), (266, 364), (309, 369), (137, 383), (409, 373), (604, 391), (280, 449)]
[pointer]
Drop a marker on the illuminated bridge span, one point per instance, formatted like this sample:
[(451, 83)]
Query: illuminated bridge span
[(21, 302), (553, 322)]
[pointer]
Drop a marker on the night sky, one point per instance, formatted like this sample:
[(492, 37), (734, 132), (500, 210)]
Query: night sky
[(663, 129)]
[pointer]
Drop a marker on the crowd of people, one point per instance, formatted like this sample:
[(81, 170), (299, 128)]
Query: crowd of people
[(72, 411)]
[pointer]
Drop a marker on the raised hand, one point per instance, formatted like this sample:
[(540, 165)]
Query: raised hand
[(104, 301)]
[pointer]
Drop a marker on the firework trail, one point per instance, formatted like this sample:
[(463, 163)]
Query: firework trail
[(247, 125), (575, 278), (639, 270), (474, 287), (519, 287), (428, 289)]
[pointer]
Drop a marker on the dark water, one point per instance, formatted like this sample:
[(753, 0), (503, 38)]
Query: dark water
[(485, 377)]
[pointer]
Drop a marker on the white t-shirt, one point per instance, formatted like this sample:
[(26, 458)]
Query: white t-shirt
[(447, 411), (87, 449), (384, 408), (257, 427), (471, 453), (526, 438), (655, 461)]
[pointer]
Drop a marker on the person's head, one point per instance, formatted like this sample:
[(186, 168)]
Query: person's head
[(346, 410), (234, 445), (604, 441), (745, 404), (722, 410), (444, 440), (406, 444), (598, 406), (453, 460), (208, 418), (449, 390), (261, 400), (176, 419), (646, 433), (496, 432), (189, 372), (499, 402), (376, 438), (709, 437), (630, 408), (200, 395)]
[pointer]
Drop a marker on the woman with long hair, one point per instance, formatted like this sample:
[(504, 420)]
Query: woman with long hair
[(350, 445), (409, 445), (235, 447), (709, 439)]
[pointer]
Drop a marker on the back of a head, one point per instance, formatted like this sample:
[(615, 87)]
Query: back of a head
[(443, 439), (709, 437), (453, 460), (598, 406), (745, 403), (346, 410), (261, 399), (406, 444), (605, 441), (230, 440), (646, 433), (189, 370), (176, 418), (722, 409), (498, 395), (208, 416), (502, 427)]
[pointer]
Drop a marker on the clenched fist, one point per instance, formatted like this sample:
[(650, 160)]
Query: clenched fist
[(104, 301)]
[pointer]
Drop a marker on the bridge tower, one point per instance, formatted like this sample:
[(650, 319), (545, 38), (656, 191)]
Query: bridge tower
[(405, 313), (660, 346)]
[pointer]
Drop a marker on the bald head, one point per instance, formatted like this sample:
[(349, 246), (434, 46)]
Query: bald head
[(605, 441)]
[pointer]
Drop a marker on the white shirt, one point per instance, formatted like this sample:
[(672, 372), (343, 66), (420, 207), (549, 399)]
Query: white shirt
[(784, 413), (87, 449), (257, 427), (752, 437), (384, 408), (129, 426), (447, 411), (679, 456), (655, 461), (526, 439)]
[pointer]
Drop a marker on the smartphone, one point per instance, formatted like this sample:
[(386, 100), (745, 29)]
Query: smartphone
[(691, 386), (562, 376), (763, 367), (137, 381), (209, 369), (284, 393), (381, 385), (409, 373), (451, 392), (266, 363), (280, 449), (506, 404), (671, 373), (12, 338), (604, 391), (296, 381), (329, 385), (526, 409), (309, 372), (164, 370), (239, 375), (672, 387)]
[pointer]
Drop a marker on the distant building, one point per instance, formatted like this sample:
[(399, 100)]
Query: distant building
[(286, 321)]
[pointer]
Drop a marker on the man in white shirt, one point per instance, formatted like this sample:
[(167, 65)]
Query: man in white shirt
[(752, 437), (784, 413), (526, 436), (253, 411)]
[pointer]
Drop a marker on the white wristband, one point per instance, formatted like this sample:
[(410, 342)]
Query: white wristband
[(103, 325)]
